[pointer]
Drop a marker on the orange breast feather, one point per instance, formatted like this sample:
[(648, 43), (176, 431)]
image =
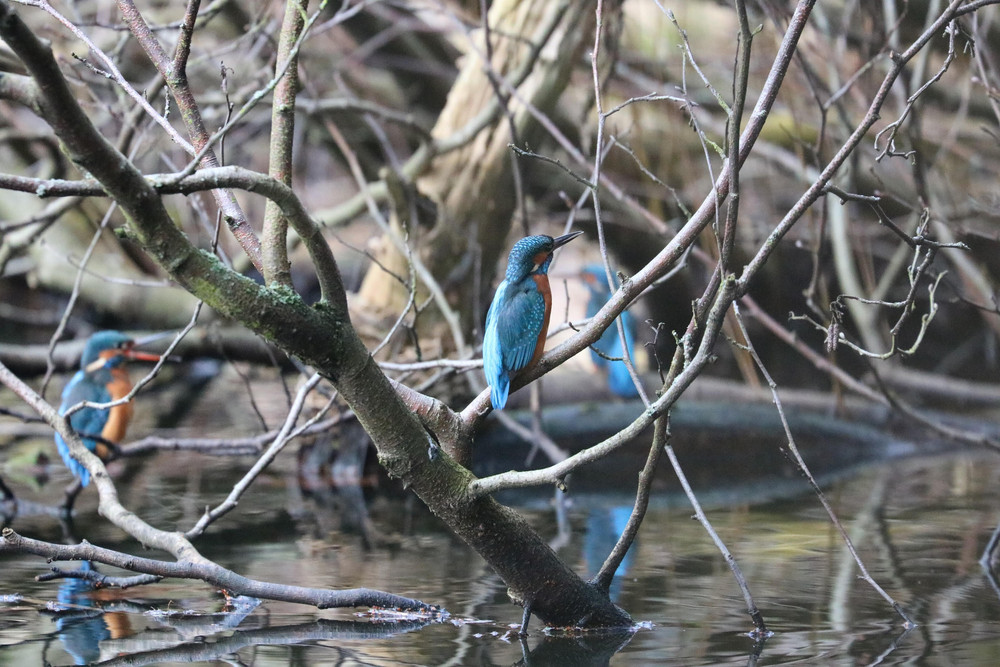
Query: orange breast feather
[(542, 281), (120, 415)]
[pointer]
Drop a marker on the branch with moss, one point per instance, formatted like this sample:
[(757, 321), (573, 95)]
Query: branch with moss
[(322, 336)]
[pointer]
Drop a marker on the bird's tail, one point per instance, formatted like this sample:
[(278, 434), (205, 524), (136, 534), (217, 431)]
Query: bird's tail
[(499, 391)]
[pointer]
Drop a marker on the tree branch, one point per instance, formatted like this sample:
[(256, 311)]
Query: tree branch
[(274, 254), (555, 473), (174, 72), (322, 336), (209, 572)]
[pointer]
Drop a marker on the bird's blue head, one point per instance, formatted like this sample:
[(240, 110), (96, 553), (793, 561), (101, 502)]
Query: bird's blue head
[(110, 348), (533, 254), (103, 341)]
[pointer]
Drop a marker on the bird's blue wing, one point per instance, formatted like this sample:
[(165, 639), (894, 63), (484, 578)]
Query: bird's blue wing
[(512, 327), (620, 382), (607, 344), (520, 324), (496, 375), (88, 421)]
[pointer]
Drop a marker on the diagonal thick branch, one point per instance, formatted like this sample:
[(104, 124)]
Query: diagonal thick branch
[(320, 335)]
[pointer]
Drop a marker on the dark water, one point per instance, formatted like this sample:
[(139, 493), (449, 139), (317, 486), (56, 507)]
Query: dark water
[(920, 524)]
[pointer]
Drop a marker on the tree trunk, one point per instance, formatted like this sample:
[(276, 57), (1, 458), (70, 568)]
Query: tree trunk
[(474, 186)]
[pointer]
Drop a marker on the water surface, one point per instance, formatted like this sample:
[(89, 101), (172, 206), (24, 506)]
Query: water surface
[(919, 523)]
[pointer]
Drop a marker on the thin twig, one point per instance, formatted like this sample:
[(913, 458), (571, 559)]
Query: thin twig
[(760, 628), (114, 72), (274, 241), (661, 437), (800, 462), (595, 179), (279, 442)]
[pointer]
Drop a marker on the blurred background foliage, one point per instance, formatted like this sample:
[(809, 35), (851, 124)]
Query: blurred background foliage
[(378, 80)]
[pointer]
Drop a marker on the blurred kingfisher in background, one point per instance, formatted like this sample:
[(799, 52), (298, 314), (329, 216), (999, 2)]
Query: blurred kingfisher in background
[(609, 344), (102, 378), (518, 320)]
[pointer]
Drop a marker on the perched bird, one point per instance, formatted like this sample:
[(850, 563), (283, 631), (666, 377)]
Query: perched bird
[(518, 320), (102, 378), (609, 344)]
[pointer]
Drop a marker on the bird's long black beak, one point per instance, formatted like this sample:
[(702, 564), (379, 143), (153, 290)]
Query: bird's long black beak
[(564, 239)]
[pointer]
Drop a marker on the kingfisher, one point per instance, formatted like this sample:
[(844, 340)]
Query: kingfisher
[(102, 378), (518, 319), (609, 344)]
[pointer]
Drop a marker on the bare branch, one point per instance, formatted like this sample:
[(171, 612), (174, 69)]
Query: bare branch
[(209, 572), (274, 254), (793, 448)]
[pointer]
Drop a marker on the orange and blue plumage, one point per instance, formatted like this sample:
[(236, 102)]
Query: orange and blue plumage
[(609, 344), (102, 378), (518, 319)]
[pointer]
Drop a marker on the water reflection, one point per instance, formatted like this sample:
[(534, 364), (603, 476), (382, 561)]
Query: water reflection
[(920, 525), (604, 526), (82, 627), (576, 650)]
